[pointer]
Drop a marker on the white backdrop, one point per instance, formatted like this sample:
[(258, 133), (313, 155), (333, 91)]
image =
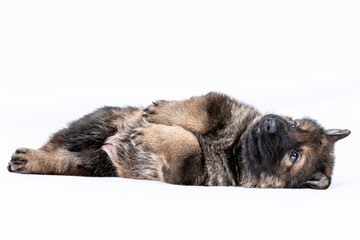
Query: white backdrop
[(62, 59)]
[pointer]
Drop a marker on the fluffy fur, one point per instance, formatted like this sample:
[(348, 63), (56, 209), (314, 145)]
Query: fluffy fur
[(211, 140)]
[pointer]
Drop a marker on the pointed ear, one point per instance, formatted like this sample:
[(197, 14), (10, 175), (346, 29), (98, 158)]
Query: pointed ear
[(318, 181), (337, 134)]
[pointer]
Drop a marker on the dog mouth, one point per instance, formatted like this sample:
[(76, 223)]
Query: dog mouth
[(268, 141), (257, 143), (261, 139), (255, 148)]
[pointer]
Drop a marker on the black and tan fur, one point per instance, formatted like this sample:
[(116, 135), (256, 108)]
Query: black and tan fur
[(210, 140)]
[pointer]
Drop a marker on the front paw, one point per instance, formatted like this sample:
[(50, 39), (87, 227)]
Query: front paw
[(158, 113), (19, 160), (146, 137)]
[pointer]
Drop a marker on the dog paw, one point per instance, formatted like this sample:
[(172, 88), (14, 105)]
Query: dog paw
[(20, 160), (146, 137), (158, 113)]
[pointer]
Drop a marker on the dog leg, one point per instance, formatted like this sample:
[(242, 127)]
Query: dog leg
[(197, 114), (179, 149), (31, 161)]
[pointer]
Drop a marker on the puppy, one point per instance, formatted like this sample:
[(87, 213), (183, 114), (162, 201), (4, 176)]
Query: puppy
[(211, 140)]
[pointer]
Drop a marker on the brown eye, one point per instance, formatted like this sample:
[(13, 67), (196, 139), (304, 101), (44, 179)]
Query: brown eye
[(294, 155)]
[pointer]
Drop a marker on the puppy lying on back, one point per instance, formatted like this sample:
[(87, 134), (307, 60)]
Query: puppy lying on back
[(210, 140)]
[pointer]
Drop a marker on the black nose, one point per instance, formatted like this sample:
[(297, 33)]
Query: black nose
[(270, 125)]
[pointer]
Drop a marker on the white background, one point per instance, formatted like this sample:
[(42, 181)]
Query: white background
[(62, 59)]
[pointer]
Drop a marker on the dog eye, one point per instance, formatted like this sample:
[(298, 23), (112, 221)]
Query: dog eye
[(293, 124), (294, 155)]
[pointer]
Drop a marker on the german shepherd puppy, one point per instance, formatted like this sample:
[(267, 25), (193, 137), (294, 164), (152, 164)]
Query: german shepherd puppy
[(211, 140)]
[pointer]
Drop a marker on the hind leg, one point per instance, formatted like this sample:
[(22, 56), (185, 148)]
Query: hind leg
[(77, 149), (179, 148), (61, 162)]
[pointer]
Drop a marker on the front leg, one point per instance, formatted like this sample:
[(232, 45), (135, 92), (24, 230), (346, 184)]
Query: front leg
[(198, 114), (179, 149)]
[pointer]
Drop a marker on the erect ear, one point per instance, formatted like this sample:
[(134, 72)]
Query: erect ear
[(318, 181), (337, 134)]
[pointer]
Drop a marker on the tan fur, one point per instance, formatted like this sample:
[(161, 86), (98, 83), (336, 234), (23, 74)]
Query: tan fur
[(41, 162), (210, 140), (190, 114), (175, 145), (181, 113)]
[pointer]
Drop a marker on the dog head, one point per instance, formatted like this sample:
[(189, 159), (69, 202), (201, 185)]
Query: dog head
[(282, 152)]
